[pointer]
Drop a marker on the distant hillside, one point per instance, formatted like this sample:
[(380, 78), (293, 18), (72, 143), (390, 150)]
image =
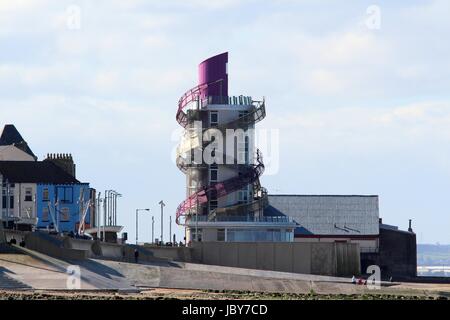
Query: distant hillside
[(433, 255)]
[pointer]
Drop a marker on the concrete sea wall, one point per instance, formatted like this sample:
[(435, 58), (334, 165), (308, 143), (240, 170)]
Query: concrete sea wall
[(332, 259)]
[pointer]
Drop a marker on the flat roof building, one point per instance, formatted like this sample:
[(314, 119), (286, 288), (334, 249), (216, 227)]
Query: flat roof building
[(351, 219)]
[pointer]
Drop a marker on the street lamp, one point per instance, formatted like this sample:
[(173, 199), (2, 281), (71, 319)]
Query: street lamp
[(106, 209), (162, 204), (170, 230), (114, 196), (137, 222), (97, 214), (153, 229)]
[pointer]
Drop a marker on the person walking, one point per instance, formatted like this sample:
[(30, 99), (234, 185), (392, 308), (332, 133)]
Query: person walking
[(136, 255)]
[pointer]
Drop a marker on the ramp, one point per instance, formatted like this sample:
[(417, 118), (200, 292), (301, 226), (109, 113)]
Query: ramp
[(41, 272)]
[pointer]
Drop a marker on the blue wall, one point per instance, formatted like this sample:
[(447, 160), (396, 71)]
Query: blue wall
[(68, 208)]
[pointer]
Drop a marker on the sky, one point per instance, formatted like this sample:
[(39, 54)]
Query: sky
[(358, 92)]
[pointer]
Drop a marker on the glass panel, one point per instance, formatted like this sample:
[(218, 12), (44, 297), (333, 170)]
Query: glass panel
[(221, 235)]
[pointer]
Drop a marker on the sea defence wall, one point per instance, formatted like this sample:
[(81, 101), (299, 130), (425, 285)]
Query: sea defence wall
[(52, 246), (74, 249), (332, 259)]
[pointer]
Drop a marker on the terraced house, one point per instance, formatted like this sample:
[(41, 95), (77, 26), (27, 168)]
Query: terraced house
[(41, 194)]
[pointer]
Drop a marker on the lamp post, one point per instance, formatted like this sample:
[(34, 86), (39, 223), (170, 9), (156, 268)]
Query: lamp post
[(114, 196), (97, 214), (137, 222), (118, 195), (162, 204), (170, 229), (106, 209), (153, 229)]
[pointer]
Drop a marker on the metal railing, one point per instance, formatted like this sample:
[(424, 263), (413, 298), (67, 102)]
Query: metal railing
[(228, 100), (248, 218), (248, 176)]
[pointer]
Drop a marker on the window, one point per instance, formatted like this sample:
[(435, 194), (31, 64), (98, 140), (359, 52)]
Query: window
[(213, 203), (45, 214), (28, 194), (243, 150), (252, 235), (243, 114), (213, 173), (214, 145), (65, 214), (65, 194), (213, 118), (45, 195), (194, 236), (220, 234), (243, 195), (5, 201)]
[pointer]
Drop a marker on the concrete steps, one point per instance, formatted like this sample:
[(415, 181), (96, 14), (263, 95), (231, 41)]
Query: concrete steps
[(8, 283)]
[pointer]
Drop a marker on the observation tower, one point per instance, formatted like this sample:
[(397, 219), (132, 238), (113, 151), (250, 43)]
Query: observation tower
[(224, 198)]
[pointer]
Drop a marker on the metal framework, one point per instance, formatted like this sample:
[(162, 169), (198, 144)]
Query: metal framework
[(249, 174)]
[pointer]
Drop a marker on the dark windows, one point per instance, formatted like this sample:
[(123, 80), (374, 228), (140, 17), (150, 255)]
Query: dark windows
[(28, 194), (45, 214), (5, 201), (64, 194), (220, 234), (213, 173), (65, 214), (213, 200), (45, 195), (243, 114), (243, 146), (213, 118)]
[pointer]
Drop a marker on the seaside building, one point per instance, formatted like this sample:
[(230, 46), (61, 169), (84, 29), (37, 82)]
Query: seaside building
[(225, 200)]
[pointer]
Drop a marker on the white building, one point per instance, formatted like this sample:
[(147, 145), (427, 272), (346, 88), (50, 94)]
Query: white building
[(224, 199), (18, 205), (12, 153)]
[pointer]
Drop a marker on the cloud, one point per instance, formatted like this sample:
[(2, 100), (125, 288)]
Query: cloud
[(20, 5), (335, 89)]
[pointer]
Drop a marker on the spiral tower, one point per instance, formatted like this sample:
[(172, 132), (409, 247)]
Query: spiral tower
[(224, 187)]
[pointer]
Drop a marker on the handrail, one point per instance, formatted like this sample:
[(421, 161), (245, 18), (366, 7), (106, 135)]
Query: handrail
[(223, 188), (258, 203), (188, 97), (267, 219), (257, 114), (250, 173)]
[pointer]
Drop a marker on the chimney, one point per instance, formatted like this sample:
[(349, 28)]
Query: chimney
[(64, 161), (410, 229)]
